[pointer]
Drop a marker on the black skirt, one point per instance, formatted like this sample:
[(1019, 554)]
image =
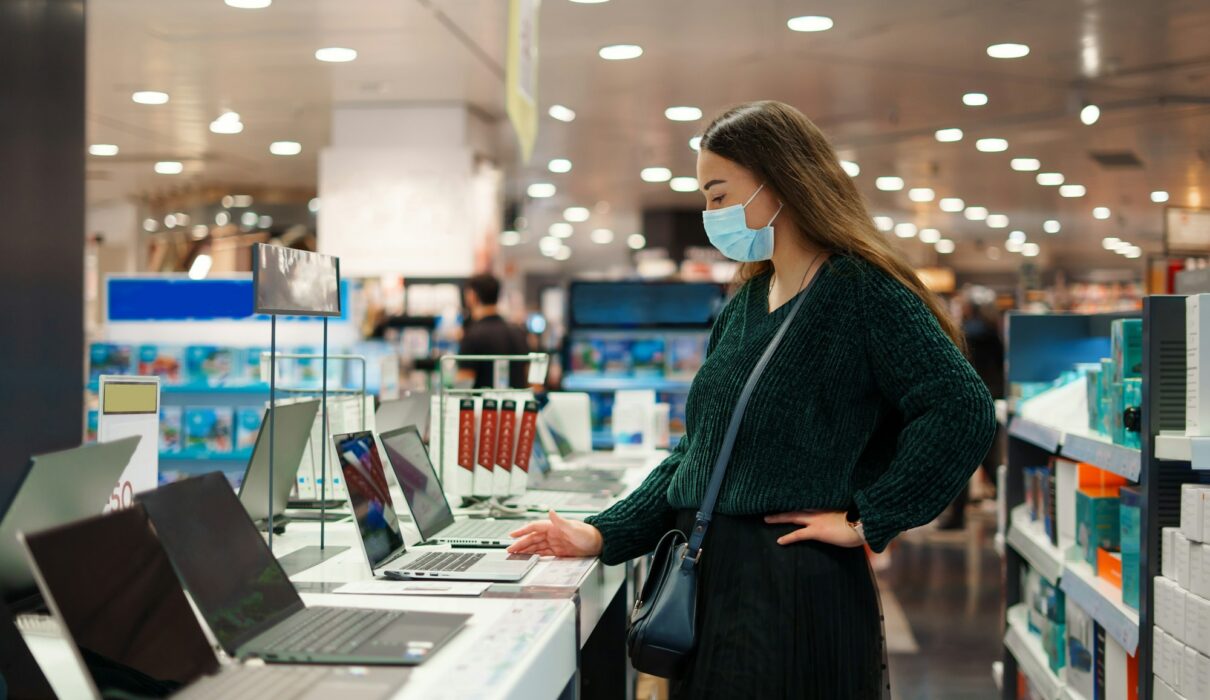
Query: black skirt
[(783, 621)]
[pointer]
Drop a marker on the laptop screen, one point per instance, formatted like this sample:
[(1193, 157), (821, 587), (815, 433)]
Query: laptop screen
[(539, 459), (418, 479), (221, 558), (111, 585), (292, 427), (19, 672), (368, 493), (412, 409)]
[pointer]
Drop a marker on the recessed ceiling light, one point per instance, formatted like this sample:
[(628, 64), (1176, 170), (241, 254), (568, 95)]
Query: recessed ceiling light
[(1159, 196), (1090, 114), (850, 167), (683, 114), (559, 165), (1110, 242), (549, 245), (921, 194), (905, 229), (150, 97), (655, 174), (636, 241), (576, 214), (1026, 165), (1135, 252), (200, 267), (170, 221), (948, 135), (975, 213), (974, 99), (1050, 179), (601, 236), (991, 145), (563, 114), (222, 218), (508, 239), (562, 254), (249, 4), (945, 246), (1008, 50), (541, 190), (336, 54), (620, 52), (1101, 213), (695, 143), (1051, 226), (1018, 236), (929, 235), (103, 150), (240, 201), (227, 123), (810, 23), (313, 205), (884, 223), (285, 148), (150, 225), (889, 183), (561, 229), (952, 205), (1122, 247), (1072, 191), (683, 184), (997, 221), (169, 167), (1031, 250), (249, 219), (1014, 246), (264, 221)]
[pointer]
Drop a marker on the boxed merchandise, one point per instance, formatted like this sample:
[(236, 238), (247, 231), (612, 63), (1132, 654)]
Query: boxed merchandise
[(209, 364), (1117, 409), (587, 356), (1066, 478), (647, 357), (616, 357), (247, 425), (90, 425), (1195, 499), (109, 358), (1047, 617), (1126, 347), (1132, 412), (208, 429), (1199, 569), (1197, 621), (1097, 517), (1121, 673), (685, 355), (1048, 507), (1104, 393), (1109, 567), (161, 361), (1181, 547), (1168, 554), (1033, 503), (1197, 365), (1092, 379), (170, 429), (1130, 516), (1082, 650)]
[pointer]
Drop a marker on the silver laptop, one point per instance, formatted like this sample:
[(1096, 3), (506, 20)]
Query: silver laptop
[(566, 494), (412, 408), (292, 424), (564, 460), (382, 538), (422, 490)]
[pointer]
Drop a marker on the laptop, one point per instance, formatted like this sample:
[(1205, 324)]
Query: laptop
[(431, 511), (20, 675), (544, 477), (410, 409), (563, 453), (58, 488), (132, 630), (250, 605), (292, 423), (382, 539)]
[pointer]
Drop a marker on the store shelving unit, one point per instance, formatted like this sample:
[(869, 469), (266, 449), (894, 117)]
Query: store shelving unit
[(1030, 542)]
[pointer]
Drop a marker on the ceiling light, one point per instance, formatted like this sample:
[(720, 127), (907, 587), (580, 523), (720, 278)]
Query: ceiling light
[(997, 221), (103, 149), (200, 267), (1051, 226), (249, 219), (929, 235), (992, 145), (1014, 246), (562, 254), (974, 99), (889, 183), (1072, 191), (683, 114), (336, 54), (884, 223), (683, 184), (227, 123), (549, 245), (601, 236), (1090, 114), (636, 241), (696, 143), (1159, 196), (182, 219), (249, 4), (1049, 179), (952, 204), (576, 214), (563, 114), (1026, 165), (1101, 213), (170, 221), (264, 221), (561, 229), (150, 225), (285, 148), (1110, 242), (1031, 250), (853, 169), (1122, 247), (169, 167), (1134, 253), (313, 205), (240, 201), (620, 52), (655, 174), (508, 239), (921, 194), (541, 190), (809, 23), (948, 135), (150, 97), (222, 218), (1008, 50), (1018, 236), (559, 165), (905, 230), (945, 246), (199, 232), (975, 213)]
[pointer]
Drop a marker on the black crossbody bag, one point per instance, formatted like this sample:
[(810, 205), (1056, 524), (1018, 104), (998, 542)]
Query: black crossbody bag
[(663, 623)]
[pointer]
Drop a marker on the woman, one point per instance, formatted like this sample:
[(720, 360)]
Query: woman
[(866, 422)]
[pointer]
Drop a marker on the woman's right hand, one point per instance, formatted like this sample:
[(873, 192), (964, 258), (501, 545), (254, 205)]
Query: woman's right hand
[(557, 537)]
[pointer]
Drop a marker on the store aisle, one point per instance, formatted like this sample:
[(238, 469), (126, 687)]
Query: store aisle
[(948, 586)]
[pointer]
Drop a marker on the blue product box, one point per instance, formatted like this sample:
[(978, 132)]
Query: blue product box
[(209, 429), (1117, 425), (587, 356), (1092, 379), (247, 426), (161, 361), (686, 354), (209, 365), (1104, 394), (1097, 521), (1126, 343), (615, 357), (109, 358), (1130, 514), (90, 426), (170, 429), (647, 356)]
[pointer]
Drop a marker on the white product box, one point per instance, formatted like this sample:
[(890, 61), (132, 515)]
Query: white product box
[(1194, 499), (1168, 554), (1163, 691), (1197, 365), (1178, 607), (1065, 502), (1117, 674), (1199, 567), (1167, 666), (1197, 618), (1182, 546), (1163, 603), (1203, 676), (1189, 684)]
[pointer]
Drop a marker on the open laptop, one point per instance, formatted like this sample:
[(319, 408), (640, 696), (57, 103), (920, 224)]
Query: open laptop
[(250, 605), (563, 494), (543, 476), (431, 511), (292, 423), (58, 488), (565, 458), (382, 538), (130, 626), (410, 409), (20, 675)]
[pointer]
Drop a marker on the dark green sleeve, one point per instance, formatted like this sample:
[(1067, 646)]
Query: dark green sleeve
[(948, 416)]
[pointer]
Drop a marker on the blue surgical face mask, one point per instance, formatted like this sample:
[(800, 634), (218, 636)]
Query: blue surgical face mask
[(727, 229)]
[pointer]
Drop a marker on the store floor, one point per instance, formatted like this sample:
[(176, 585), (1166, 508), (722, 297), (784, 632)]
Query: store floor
[(941, 601)]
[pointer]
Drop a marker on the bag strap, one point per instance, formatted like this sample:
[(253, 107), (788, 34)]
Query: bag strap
[(706, 511)]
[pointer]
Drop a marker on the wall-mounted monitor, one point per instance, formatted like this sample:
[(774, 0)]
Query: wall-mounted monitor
[(294, 282)]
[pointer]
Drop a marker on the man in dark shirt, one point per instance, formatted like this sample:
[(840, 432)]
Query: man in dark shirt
[(486, 333)]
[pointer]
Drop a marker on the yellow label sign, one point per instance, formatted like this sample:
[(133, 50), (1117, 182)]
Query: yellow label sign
[(521, 73)]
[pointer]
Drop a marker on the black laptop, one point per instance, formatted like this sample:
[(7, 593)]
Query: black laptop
[(248, 601)]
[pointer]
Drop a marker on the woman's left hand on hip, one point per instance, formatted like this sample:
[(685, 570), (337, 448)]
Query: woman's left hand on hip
[(831, 527)]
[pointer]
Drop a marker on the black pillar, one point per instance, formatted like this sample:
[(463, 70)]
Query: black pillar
[(41, 230)]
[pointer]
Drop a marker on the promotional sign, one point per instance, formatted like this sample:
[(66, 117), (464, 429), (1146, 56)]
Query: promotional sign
[(295, 282), (521, 73), (130, 405)]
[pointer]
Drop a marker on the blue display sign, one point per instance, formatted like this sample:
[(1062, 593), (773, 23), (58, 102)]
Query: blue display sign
[(143, 299)]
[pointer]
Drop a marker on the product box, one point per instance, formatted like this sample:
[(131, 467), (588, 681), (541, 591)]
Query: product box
[(1132, 412), (247, 426), (1199, 569), (1109, 567), (1130, 523), (616, 357), (1097, 517), (1197, 366), (170, 429), (587, 356), (1126, 347), (161, 361), (1081, 650), (1104, 395), (647, 357), (209, 364), (686, 353), (209, 429), (1116, 422), (1048, 503), (1195, 499), (1066, 478), (109, 358), (1168, 553), (1121, 673), (1092, 380), (90, 425), (1181, 548), (1047, 618)]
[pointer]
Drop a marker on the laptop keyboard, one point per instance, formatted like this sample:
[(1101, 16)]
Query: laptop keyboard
[(478, 528), (328, 630), (454, 562), (263, 683)]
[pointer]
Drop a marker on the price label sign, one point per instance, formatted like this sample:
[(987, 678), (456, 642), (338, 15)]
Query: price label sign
[(131, 406)]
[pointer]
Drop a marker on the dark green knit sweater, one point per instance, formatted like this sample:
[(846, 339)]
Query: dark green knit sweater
[(866, 402)]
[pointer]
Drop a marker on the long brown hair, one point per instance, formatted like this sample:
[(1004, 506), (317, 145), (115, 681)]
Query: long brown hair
[(787, 152)]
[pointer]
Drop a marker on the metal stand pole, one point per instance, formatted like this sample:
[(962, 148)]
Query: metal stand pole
[(323, 452), (272, 406)]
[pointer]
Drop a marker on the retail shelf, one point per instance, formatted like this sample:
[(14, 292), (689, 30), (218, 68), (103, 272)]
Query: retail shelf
[(1103, 602), (1027, 649), (1099, 450), (574, 382), (1032, 543), (255, 388), (1044, 436), (205, 456)]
